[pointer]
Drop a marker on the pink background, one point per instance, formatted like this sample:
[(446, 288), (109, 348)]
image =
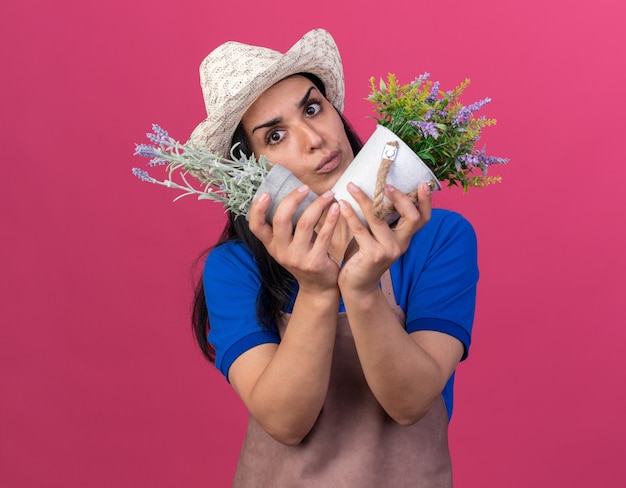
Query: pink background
[(100, 382)]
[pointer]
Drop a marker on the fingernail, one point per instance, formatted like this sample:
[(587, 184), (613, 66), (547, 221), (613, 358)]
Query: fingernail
[(353, 187), (390, 188), (343, 204), (426, 188), (303, 188), (328, 194), (264, 197), (334, 208)]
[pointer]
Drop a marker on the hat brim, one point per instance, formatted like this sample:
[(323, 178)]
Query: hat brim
[(315, 53)]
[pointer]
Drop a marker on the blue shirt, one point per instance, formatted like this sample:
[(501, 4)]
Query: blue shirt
[(434, 283)]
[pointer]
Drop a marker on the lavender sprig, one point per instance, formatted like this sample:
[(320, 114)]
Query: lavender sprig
[(231, 182)]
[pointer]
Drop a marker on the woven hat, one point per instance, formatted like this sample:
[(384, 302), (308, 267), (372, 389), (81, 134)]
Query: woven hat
[(234, 75)]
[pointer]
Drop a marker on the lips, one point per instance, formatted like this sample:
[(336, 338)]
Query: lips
[(329, 163)]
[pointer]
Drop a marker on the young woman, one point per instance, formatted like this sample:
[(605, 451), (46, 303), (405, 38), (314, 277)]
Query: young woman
[(341, 340)]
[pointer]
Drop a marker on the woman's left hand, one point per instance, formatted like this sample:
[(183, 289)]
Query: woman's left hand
[(374, 250), (405, 372)]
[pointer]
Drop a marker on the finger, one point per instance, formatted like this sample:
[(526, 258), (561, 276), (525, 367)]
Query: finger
[(311, 216), (364, 201), (282, 221), (361, 233), (256, 219), (379, 227), (325, 233), (365, 254), (425, 202), (413, 216), (304, 234), (381, 242)]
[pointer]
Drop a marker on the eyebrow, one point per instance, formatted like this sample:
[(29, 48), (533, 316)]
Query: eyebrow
[(269, 123), (306, 96), (276, 120)]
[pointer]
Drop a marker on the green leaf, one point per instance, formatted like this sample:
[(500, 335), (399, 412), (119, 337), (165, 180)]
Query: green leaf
[(425, 155)]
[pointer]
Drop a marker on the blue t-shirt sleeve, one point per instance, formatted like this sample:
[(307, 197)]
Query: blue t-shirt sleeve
[(231, 283), (442, 261)]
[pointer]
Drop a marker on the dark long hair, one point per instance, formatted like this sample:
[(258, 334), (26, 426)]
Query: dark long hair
[(277, 284)]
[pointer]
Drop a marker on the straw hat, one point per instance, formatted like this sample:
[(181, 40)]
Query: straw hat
[(234, 75)]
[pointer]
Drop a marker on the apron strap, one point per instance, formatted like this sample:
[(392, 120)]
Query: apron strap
[(387, 287)]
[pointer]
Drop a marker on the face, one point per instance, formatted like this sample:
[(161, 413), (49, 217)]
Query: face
[(292, 124)]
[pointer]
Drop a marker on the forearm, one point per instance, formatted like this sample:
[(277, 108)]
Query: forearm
[(404, 378), (288, 395)]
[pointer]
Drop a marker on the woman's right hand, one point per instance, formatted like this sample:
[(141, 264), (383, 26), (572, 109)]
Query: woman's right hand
[(303, 251), (284, 385)]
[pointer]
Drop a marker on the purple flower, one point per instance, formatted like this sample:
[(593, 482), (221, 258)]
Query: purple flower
[(143, 175), (420, 79), (478, 105), (160, 131), (489, 160), (464, 115), (427, 128), (146, 150), (434, 91), (159, 137), (479, 159), (157, 161), (468, 160)]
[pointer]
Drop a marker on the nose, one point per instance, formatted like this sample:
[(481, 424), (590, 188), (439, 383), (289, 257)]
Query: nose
[(312, 138)]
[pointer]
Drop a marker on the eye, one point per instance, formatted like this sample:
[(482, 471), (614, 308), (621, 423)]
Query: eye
[(274, 137), (313, 108)]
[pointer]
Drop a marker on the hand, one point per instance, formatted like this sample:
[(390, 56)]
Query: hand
[(374, 250), (302, 251)]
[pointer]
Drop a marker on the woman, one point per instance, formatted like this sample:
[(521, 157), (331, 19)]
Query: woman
[(341, 340)]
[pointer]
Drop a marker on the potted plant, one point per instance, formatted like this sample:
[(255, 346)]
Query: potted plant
[(422, 135), (232, 182)]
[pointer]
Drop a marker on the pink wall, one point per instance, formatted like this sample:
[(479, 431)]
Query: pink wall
[(101, 384)]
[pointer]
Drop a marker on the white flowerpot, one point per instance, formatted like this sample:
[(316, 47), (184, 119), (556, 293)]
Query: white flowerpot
[(407, 171), (279, 183)]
